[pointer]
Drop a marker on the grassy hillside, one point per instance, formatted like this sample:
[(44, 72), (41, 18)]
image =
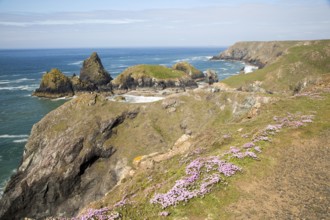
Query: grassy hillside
[(304, 65)]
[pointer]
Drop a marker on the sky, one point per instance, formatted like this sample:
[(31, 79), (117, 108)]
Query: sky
[(156, 23)]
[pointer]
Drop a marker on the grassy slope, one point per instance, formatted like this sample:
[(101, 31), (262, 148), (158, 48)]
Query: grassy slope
[(302, 63), (154, 71), (278, 172)]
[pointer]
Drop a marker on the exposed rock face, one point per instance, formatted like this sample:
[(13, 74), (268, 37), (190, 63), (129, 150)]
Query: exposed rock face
[(54, 84), (93, 71), (189, 69), (152, 76), (256, 53), (63, 164)]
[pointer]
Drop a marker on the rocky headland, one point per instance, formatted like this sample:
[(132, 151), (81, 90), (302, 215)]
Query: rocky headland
[(228, 150), (255, 53)]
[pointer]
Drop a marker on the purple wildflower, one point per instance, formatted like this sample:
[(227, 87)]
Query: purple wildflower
[(164, 213), (257, 148), (196, 183), (251, 154), (248, 145), (234, 149)]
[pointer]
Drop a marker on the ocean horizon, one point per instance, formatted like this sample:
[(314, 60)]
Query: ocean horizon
[(21, 71)]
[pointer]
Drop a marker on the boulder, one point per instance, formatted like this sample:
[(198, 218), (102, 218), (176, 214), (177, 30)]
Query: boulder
[(93, 71), (211, 76), (189, 69), (54, 84)]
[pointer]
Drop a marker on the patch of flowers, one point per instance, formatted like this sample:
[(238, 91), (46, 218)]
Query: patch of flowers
[(201, 175), (99, 214)]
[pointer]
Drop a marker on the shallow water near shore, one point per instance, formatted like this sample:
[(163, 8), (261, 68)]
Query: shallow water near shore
[(21, 72)]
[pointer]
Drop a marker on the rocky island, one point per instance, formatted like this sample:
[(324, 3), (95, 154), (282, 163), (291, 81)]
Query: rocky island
[(224, 151)]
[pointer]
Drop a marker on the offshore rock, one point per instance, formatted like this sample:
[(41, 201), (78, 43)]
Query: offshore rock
[(93, 71), (54, 84), (189, 69), (152, 76)]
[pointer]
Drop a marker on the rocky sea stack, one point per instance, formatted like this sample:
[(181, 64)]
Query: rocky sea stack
[(158, 77), (93, 77), (54, 84), (93, 71)]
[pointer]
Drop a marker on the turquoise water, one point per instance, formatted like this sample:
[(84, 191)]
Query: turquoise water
[(21, 71)]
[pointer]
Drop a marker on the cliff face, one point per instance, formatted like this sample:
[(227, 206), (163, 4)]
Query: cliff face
[(256, 53)]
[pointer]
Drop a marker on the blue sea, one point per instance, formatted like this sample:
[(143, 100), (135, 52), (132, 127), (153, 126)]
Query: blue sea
[(21, 72)]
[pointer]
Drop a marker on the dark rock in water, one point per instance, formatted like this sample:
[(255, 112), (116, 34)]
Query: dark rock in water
[(152, 76), (54, 84), (94, 72), (189, 69), (211, 76)]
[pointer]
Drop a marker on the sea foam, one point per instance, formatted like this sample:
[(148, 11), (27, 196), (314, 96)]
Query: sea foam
[(250, 69), (14, 136), (76, 63), (21, 140)]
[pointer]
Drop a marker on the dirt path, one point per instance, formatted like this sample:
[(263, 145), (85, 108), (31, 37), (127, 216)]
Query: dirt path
[(296, 187)]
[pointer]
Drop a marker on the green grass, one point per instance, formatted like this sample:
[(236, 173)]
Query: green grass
[(154, 71)]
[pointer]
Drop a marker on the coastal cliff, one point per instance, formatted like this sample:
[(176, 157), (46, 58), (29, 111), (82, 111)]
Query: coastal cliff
[(216, 151), (255, 53)]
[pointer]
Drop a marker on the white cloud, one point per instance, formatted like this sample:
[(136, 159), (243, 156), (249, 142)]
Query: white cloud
[(72, 22)]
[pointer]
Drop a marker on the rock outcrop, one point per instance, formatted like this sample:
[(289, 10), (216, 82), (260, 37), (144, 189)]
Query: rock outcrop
[(54, 84), (255, 53), (152, 76), (211, 76), (189, 69), (93, 71)]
